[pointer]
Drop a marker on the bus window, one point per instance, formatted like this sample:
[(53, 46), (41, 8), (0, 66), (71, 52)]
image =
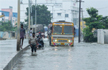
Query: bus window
[(68, 30), (57, 29)]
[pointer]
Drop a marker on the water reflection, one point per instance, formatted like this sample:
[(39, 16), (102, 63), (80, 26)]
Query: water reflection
[(80, 57), (55, 49)]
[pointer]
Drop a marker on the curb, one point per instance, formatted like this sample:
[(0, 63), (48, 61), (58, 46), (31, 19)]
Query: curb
[(13, 61)]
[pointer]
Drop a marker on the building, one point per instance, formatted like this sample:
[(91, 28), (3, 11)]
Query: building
[(9, 15), (65, 10)]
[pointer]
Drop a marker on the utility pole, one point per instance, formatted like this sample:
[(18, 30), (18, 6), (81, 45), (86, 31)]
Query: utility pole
[(18, 27), (35, 15), (29, 18), (52, 12), (12, 14), (79, 17), (30, 13)]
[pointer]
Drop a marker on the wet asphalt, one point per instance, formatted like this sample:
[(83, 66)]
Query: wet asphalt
[(83, 56)]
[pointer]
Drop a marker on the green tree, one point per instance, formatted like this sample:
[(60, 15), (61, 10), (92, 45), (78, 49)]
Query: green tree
[(94, 21), (43, 15), (105, 22), (6, 26)]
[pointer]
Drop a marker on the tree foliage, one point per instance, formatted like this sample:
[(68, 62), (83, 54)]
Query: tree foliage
[(94, 21), (7, 26), (43, 15)]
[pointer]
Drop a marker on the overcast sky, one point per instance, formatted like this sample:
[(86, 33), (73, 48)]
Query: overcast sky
[(101, 5)]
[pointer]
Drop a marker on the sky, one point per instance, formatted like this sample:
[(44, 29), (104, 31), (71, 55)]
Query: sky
[(101, 5)]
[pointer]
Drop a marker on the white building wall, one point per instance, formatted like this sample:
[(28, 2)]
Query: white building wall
[(66, 7), (100, 36), (105, 36), (6, 19)]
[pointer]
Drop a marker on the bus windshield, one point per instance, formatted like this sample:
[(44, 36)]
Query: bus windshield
[(57, 29), (68, 30)]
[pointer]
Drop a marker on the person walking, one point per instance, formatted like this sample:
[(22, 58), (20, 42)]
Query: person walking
[(33, 43), (31, 32), (22, 35)]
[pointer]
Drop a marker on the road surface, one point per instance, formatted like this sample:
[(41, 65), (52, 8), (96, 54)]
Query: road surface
[(83, 56)]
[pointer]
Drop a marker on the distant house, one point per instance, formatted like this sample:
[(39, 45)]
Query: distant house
[(9, 15)]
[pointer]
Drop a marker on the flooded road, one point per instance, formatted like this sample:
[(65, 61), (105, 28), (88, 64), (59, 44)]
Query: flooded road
[(8, 51), (83, 56)]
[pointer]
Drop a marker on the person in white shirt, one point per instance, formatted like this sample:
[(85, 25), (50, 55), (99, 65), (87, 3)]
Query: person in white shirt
[(31, 32), (33, 43)]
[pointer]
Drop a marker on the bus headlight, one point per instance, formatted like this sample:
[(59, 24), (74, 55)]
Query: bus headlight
[(69, 40), (55, 40)]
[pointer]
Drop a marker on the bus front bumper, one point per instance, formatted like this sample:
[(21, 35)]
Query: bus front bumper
[(55, 43)]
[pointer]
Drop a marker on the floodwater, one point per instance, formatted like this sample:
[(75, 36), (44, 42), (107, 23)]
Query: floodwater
[(83, 56), (8, 51)]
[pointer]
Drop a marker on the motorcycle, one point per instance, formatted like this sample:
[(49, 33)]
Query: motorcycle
[(40, 43)]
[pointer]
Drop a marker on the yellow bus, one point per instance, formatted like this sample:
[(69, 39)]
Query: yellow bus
[(61, 33)]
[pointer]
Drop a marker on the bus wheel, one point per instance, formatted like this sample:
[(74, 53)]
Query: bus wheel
[(50, 41), (72, 45)]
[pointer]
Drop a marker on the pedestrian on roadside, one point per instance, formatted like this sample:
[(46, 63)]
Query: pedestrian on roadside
[(31, 32), (40, 34), (22, 35), (33, 43)]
